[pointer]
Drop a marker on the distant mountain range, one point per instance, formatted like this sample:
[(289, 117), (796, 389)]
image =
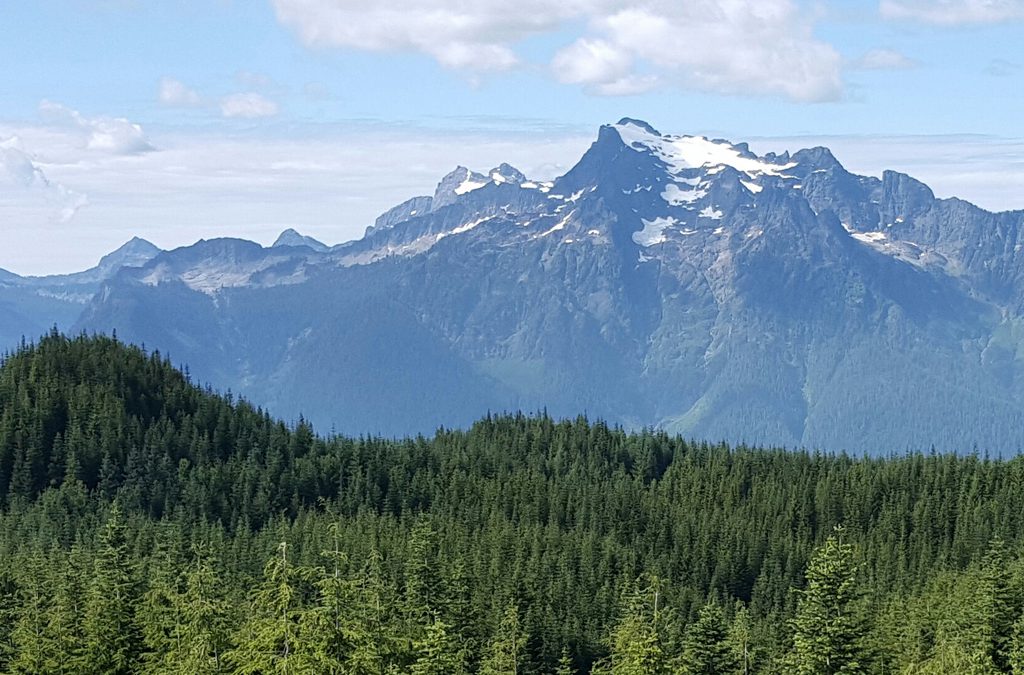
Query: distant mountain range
[(670, 281)]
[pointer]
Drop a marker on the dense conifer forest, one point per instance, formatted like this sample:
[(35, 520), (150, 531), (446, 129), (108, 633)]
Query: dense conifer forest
[(150, 526)]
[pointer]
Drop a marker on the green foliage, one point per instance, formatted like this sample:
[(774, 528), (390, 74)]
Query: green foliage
[(149, 526), (506, 654), (269, 638), (112, 639), (828, 630), (438, 652), (706, 648), (636, 643)]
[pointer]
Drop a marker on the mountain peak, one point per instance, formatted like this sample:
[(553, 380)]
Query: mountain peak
[(629, 121), (682, 153), (291, 237), (506, 173), (458, 182), (133, 253)]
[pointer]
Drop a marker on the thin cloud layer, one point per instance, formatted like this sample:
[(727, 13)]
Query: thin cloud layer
[(953, 12), (115, 135), (248, 106), (884, 59), (25, 184), (759, 47), (173, 93)]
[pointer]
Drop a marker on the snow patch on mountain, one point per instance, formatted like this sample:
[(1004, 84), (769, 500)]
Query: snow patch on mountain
[(675, 196), (653, 232), (682, 153), (560, 225)]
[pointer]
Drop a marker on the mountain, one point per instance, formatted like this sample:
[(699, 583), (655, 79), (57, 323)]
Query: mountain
[(31, 306), (292, 238), (672, 281)]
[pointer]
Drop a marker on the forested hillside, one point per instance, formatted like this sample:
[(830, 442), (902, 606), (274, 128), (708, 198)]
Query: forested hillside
[(150, 526)]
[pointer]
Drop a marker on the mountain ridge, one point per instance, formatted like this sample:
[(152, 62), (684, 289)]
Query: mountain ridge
[(672, 281)]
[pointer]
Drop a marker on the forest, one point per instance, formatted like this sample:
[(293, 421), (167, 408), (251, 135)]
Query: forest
[(150, 525)]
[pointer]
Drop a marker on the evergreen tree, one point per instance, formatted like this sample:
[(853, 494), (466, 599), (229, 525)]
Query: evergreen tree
[(635, 640), (330, 632), (438, 653), (32, 642), (112, 640), (741, 641), (202, 612), (422, 581), (506, 652), (565, 666), (999, 608), (267, 642), (8, 617), (828, 630), (706, 648)]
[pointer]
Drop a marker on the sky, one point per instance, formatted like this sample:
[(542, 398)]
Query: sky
[(176, 120)]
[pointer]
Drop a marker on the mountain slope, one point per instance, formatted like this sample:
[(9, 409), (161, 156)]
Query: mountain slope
[(665, 280), (31, 306)]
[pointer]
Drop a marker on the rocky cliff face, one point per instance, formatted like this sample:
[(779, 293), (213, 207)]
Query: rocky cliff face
[(665, 280)]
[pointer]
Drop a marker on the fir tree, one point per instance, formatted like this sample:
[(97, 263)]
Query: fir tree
[(706, 649), (112, 640), (741, 640), (438, 653), (565, 666), (828, 630), (506, 652), (32, 641), (635, 640), (267, 640)]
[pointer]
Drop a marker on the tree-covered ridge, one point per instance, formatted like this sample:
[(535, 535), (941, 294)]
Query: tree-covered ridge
[(152, 526)]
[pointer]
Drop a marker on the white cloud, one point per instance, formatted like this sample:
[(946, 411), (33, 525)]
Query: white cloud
[(474, 36), (25, 185), (884, 59), (115, 135), (953, 12), (249, 105), (763, 47), (174, 93), (593, 62), (760, 47)]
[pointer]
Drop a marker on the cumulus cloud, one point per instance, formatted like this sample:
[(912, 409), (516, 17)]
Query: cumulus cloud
[(470, 35), (884, 59), (27, 183), (762, 47), (248, 105), (174, 93), (953, 12), (115, 135), (729, 46), (602, 66)]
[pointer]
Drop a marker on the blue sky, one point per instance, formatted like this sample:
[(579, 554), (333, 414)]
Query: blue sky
[(181, 119)]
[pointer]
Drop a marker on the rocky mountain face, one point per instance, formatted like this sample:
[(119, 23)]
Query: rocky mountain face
[(32, 306), (672, 281)]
